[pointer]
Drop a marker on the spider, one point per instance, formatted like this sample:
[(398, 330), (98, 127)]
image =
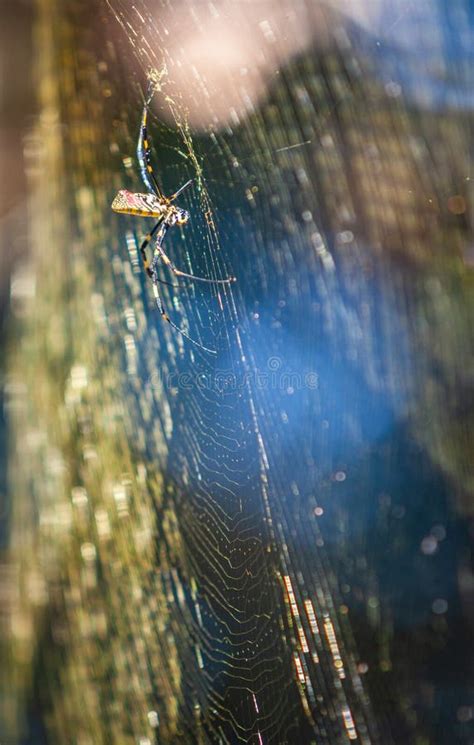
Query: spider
[(155, 204)]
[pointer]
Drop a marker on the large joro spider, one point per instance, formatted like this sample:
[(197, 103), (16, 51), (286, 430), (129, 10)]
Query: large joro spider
[(155, 204)]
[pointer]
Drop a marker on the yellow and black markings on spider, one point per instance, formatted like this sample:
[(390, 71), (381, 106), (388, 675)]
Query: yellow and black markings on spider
[(155, 204)]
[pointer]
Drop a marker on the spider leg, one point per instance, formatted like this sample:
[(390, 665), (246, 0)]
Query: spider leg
[(146, 262), (144, 152), (145, 243), (181, 188), (166, 317), (160, 252)]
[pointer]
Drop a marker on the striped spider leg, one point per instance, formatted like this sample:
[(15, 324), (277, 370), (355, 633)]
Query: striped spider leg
[(155, 204)]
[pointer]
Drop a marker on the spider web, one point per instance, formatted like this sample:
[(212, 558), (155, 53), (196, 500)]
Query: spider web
[(268, 647)]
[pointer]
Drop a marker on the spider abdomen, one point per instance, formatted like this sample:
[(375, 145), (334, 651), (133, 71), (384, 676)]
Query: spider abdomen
[(143, 205)]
